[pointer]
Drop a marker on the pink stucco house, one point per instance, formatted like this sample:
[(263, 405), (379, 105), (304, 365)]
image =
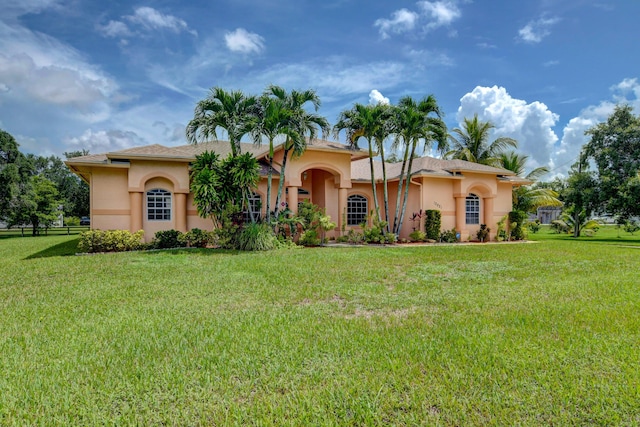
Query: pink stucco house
[(148, 187)]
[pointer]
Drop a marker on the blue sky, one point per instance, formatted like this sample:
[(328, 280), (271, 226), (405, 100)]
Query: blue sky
[(105, 76)]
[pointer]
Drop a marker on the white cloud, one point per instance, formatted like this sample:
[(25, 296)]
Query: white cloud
[(401, 21), (566, 153), (528, 123), (243, 41), (375, 98), (115, 29), (152, 19), (42, 69), (434, 14), (103, 141), (440, 13), (535, 31)]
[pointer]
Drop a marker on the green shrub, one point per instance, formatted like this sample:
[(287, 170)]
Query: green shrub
[(483, 232), (230, 227), (417, 236), (432, 223), (448, 236), (534, 226), (167, 239), (110, 241), (631, 227), (355, 238), (196, 238), (309, 238), (256, 237), (516, 222), (71, 221), (560, 226)]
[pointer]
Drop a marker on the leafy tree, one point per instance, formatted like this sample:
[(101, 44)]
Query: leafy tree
[(232, 111), (15, 169), (37, 205), (415, 122), (471, 143), (615, 148), (580, 196)]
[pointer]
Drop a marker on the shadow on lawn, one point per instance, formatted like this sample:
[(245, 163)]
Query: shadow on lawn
[(61, 249)]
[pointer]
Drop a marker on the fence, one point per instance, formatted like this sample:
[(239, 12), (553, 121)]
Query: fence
[(51, 231)]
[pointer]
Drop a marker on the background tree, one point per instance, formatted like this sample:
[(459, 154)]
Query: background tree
[(471, 143), (615, 148), (580, 195), (37, 204), (14, 170)]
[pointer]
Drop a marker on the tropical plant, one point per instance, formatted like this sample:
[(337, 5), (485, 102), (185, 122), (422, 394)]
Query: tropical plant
[(365, 121), (578, 220), (302, 126), (516, 225), (232, 111), (471, 143), (483, 232), (257, 237), (448, 236), (415, 122)]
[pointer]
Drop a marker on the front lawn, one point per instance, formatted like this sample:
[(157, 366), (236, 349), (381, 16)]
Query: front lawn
[(540, 333)]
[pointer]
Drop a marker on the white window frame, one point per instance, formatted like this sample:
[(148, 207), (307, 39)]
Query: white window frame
[(357, 209), (159, 203), (472, 209)]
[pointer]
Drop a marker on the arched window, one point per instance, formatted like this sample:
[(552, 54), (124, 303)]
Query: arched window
[(158, 205), (473, 209), (357, 208), (255, 204)]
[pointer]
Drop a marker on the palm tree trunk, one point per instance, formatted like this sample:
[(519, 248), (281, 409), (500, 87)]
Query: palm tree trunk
[(269, 177), (408, 182), (385, 190), (373, 182), (281, 181), (396, 228)]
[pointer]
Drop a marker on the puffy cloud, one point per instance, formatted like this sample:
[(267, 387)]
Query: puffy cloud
[(375, 97), (535, 31), (401, 21), (42, 69), (434, 14), (150, 18), (528, 123), (243, 41), (440, 13), (104, 141)]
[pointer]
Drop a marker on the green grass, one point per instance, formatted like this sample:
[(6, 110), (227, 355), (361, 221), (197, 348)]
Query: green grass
[(534, 334)]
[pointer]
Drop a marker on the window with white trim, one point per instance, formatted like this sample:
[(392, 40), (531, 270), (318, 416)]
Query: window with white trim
[(255, 202), (357, 209), (158, 205), (472, 211)]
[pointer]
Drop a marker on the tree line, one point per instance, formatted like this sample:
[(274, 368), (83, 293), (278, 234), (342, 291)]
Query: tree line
[(35, 190)]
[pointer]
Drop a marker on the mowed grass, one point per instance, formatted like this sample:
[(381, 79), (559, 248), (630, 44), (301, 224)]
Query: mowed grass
[(541, 333)]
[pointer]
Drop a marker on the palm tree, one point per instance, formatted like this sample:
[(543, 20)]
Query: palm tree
[(363, 121), (471, 143), (301, 125), (415, 122), (232, 111), (527, 198)]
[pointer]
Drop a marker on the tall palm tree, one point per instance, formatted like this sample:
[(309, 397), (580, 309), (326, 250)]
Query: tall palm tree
[(527, 198), (415, 122), (471, 143), (303, 126), (363, 121), (232, 111)]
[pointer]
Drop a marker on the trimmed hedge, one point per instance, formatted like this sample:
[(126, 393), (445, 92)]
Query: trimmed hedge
[(432, 223), (110, 241)]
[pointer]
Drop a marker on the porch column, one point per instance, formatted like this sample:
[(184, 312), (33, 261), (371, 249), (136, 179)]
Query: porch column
[(342, 206), (461, 210), (487, 205), (292, 199), (181, 212), (135, 215)]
